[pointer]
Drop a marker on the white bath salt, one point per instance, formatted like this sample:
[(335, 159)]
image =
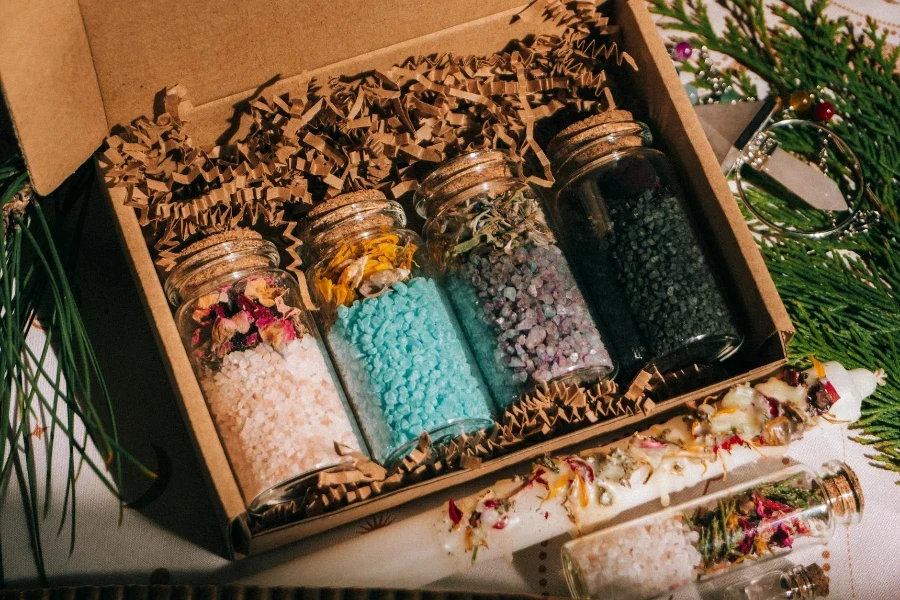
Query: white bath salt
[(638, 562), (278, 413)]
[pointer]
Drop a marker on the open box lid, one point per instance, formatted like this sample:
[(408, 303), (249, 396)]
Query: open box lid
[(71, 70)]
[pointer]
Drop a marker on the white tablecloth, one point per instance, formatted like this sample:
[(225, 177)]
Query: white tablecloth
[(174, 537)]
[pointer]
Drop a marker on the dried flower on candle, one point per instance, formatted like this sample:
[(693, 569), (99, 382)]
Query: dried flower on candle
[(598, 485)]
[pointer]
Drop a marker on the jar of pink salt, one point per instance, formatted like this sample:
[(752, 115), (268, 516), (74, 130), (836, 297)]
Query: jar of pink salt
[(263, 369)]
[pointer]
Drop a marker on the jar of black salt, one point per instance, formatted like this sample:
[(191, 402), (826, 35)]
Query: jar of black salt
[(623, 218), (515, 295)]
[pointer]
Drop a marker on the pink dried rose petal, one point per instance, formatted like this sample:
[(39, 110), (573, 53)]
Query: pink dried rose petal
[(277, 332), (454, 512), (222, 331), (242, 321), (256, 311), (265, 321), (284, 308)]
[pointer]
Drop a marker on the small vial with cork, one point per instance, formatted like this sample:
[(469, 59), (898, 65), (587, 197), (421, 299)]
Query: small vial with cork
[(693, 542), (795, 583)]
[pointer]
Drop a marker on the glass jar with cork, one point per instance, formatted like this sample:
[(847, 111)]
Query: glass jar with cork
[(395, 341), (762, 519), (628, 229), (513, 290), (794, 583), (261, 365)]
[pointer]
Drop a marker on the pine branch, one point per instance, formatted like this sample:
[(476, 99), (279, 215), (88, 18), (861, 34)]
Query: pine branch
[(843, 294), (33, 279)]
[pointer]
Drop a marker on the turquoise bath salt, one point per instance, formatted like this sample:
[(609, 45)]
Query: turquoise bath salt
[(402, 358)]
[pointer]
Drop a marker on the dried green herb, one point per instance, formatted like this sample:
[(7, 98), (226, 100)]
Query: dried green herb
[(506, 220)]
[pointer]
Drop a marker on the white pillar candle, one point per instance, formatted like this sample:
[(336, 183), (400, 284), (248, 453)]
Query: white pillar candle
[(572, 494)]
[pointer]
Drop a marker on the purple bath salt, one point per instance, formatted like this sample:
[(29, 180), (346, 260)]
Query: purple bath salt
[(514, 293), (525, 318)]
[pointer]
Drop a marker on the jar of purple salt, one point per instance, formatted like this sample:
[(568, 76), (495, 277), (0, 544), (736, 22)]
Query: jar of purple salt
[(627, 227), (262, 367), (395, 341), (507, 279)]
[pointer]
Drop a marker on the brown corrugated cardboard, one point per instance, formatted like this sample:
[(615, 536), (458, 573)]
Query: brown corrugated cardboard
[(224, 52), (49, 85)]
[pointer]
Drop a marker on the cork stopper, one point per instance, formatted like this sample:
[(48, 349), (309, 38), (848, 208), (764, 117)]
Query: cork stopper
[(843, 492), (609, 116), (818, 580), (349, 215), (594, 137), (343, 200), (466, 172), (208, 261)]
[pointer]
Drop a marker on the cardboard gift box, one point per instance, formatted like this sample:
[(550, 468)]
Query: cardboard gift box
[(71, 70)]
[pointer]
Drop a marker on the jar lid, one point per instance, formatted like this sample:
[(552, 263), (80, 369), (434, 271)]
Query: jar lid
[(609, 116), (342, 200), (217, 238), (819, 580), (459, 174), (844, 492), (350, 214), (217, 256), (595, 137)]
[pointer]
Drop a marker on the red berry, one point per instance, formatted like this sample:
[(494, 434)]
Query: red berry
[(823, 111)]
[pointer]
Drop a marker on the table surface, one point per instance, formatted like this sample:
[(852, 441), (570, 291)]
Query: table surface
[(174, 538)]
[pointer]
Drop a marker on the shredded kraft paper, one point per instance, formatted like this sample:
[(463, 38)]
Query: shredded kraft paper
[(550, 410), (380, 130)]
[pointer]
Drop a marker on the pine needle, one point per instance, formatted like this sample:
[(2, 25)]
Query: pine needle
[(33, 281)]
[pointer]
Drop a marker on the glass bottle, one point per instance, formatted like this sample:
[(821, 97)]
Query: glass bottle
[(795, 583), (694, 541), (509, 282), (264, 372), (393, 337), (623, 219)]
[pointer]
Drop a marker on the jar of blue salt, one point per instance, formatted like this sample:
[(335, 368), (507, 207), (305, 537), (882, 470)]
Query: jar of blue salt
[(395, 342), (629, 231), (507, 279)]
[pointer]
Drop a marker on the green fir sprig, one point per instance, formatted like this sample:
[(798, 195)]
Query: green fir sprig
[(842, 293)]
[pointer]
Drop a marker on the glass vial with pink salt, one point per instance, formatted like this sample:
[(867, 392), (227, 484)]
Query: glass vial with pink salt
[(751, 522), (263, 369), (507, 279)]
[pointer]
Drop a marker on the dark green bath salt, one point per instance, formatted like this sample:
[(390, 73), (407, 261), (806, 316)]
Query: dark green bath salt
[(646, 273)]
